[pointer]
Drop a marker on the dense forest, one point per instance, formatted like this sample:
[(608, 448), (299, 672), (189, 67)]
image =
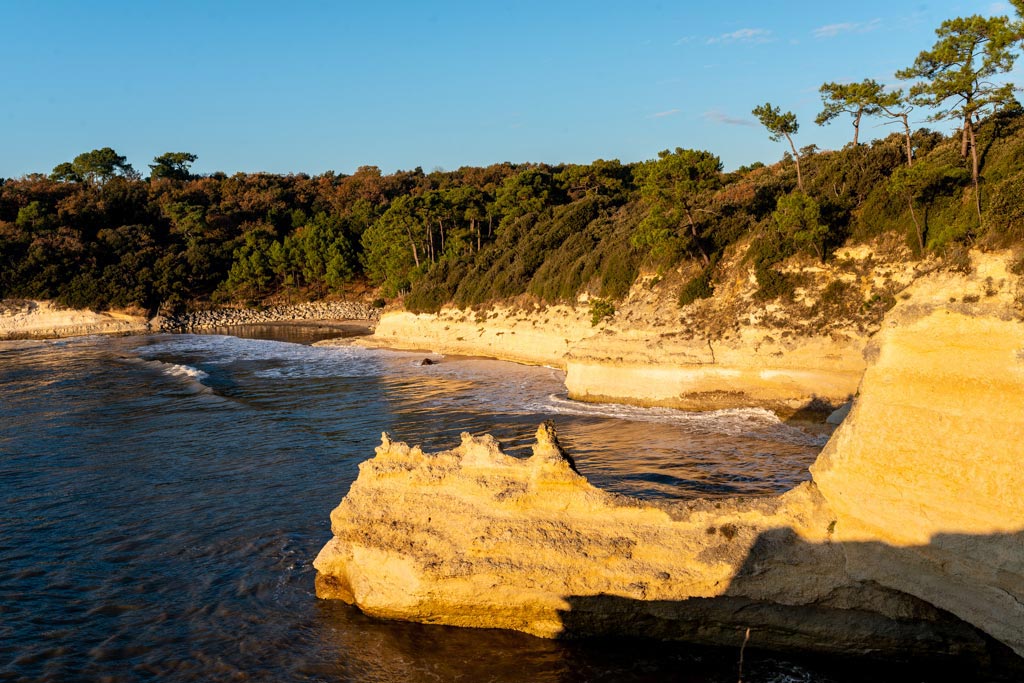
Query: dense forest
[(96, 233)]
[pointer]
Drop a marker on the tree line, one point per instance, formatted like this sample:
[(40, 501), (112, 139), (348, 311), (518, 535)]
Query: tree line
[(96, 233)]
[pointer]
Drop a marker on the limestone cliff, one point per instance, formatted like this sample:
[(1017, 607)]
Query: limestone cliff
[(727, 351), (908, 541), (45, 320)]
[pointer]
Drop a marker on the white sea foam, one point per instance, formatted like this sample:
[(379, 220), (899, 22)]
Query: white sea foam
[(178, 370), (750, 422)]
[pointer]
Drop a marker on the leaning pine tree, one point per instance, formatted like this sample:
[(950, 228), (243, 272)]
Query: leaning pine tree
[(958, 75)]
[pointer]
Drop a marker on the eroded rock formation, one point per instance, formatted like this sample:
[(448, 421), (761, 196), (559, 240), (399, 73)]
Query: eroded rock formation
[(24, 319), (908, 541)]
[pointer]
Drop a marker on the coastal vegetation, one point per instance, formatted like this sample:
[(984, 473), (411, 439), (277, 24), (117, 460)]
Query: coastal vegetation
[(95, 233)]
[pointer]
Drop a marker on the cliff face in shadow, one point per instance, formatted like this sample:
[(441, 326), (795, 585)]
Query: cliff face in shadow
[(907, 543)]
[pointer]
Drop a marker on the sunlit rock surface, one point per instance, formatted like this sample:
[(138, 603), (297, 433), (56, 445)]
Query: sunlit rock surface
[(24, 319), (909, 541)]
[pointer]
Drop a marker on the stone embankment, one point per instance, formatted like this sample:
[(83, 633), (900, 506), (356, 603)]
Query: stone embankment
[(222, 317), (908, 541)]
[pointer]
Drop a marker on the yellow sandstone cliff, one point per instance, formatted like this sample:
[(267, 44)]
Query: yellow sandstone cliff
[(728, 351), (908, 541), (46, 320)]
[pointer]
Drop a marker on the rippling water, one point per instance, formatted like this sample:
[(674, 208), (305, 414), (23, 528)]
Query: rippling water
[(163, 498)]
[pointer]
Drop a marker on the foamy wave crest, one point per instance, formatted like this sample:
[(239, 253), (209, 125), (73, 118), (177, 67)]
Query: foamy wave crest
[(183, 371), (192, 375), (750, 422), (289, 360)]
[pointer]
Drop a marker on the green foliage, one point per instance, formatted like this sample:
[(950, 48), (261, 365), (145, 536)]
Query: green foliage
[(699, 287), (866, 98), (773, 284), (969, 53), (779, 124), (599, 310), (94, 234), (251, 272), (173, 165), (97, 166), (798, 221), (674, 188)]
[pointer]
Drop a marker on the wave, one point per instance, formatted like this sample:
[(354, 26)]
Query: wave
[(748, 422), (180, 370), (194, 377)]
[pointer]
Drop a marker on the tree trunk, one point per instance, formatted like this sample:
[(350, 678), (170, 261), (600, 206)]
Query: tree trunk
[(964, 136), (856, 126), (696, 237), (917, 224), (796, 158), (412, 243), (906, 132), (974, 169)]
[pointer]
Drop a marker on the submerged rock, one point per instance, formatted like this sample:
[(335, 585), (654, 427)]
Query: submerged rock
[(908, 542)]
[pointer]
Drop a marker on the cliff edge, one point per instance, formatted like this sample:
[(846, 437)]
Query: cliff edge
[(908, 541), (22, 319)]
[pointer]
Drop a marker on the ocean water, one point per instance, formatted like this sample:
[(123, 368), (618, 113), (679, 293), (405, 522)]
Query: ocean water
[(163, 498)]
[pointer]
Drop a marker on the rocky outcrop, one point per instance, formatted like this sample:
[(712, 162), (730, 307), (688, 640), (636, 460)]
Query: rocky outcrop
[(532, 335), (645, 366), (222, 317), (798, 356), (23, 319), (909, 540), (791, 377)]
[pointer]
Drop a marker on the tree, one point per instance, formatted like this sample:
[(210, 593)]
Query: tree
[(894, 105), (97, 166), (251, 270), (781, 125), (391, 246), (798, 219), (173, 165), (526, 192), (907, 183), (65, 173), (856, 99), (672, 186), (958, 73)]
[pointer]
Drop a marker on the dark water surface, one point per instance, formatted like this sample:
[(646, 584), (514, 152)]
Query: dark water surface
[(163, 498)]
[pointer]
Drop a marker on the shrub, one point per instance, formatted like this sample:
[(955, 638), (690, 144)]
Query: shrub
[(599, 310), (699, 287)]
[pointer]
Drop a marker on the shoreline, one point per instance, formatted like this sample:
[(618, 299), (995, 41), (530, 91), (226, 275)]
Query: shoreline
[(904, 544), (39, 320), (27, 319), (801, 379)]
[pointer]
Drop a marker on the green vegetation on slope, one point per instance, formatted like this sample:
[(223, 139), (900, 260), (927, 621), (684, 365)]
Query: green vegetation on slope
[(95, 234)]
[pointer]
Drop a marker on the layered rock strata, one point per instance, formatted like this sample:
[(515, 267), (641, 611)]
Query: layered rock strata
[(908, 541), (799, 356), (22, 319)]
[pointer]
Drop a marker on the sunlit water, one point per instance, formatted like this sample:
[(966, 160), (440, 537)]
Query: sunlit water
[(163, 499)]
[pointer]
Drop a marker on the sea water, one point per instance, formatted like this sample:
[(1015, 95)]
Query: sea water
[(163, 498)]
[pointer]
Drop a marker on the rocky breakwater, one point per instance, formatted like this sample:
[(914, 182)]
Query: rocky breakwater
[(907, 542), (223, 317)]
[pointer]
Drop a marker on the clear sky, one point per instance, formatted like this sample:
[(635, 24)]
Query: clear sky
[(310, 86)]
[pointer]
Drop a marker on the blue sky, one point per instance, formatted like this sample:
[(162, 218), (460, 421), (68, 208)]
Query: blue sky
[(311, 86)]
